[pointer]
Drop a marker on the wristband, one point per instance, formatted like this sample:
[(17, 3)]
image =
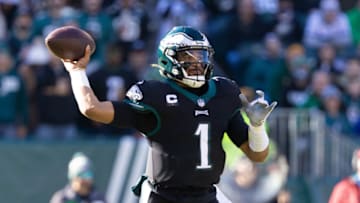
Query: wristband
[(79, 78), (258, 138)]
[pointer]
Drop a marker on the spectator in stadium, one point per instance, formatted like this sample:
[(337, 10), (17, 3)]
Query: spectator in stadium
[(330, 60), (292, 53), (130, 22), (56, 13), (97, 23), (138, 61), (20, 35), (55, 112), (333, 107), (319, 80), (351, 72), (266, 67), (354, 19), (241, 34), (350, 82), (327, 25), (352, 104), (182, 168), (81, 186), (9, 9), (296, 87), (13, 100), (348, 189), (288, 26)]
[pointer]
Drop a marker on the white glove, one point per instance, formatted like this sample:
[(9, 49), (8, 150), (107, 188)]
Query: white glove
[(258, 110)]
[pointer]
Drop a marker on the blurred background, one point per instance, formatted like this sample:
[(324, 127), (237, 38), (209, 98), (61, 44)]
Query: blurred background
[(305, 54)]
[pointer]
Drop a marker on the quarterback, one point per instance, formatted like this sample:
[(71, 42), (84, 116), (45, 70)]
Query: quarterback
[(183, 117)]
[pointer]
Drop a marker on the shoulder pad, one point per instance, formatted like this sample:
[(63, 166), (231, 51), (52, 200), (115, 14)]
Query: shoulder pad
[(226, 85)]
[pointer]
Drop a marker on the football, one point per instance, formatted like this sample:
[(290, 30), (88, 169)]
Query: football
[(69, 42)]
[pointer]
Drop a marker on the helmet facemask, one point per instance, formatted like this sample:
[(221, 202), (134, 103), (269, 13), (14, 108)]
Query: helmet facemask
[(192, 65)]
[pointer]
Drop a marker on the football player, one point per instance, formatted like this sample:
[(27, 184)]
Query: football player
[(184, 118)]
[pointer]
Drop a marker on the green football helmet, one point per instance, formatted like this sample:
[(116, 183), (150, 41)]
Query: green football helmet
[(189, 42)]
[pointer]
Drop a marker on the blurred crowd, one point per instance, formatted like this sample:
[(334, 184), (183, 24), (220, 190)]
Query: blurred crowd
[(304, 54)]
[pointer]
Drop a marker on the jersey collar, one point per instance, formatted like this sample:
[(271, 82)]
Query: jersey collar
[(210, 93)]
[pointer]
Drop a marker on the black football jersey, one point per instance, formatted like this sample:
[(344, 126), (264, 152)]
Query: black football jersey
[(185, 130)]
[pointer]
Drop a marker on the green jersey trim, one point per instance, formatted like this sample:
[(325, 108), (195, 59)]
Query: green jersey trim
[(143, 108), (193, 97)]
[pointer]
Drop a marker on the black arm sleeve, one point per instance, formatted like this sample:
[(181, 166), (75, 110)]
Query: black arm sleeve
[(237, 129), (129, 117)]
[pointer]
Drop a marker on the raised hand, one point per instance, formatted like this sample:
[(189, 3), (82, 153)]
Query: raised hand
[(81, 63), (258, 110)]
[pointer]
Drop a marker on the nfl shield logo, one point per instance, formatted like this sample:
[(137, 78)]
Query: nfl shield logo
[(201, 102)]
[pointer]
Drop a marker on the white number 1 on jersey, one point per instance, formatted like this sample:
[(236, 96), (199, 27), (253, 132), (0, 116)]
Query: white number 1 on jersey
[(203, 132)]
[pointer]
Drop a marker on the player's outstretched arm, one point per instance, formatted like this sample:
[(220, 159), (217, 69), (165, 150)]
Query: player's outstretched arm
[(257, 111), (88, 103)]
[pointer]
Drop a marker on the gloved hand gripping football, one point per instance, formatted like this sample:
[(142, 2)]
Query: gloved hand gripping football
[(258, 110)]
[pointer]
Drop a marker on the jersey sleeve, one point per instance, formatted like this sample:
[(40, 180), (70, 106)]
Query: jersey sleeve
[(237, 129), (128, 116), (133, 113)]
